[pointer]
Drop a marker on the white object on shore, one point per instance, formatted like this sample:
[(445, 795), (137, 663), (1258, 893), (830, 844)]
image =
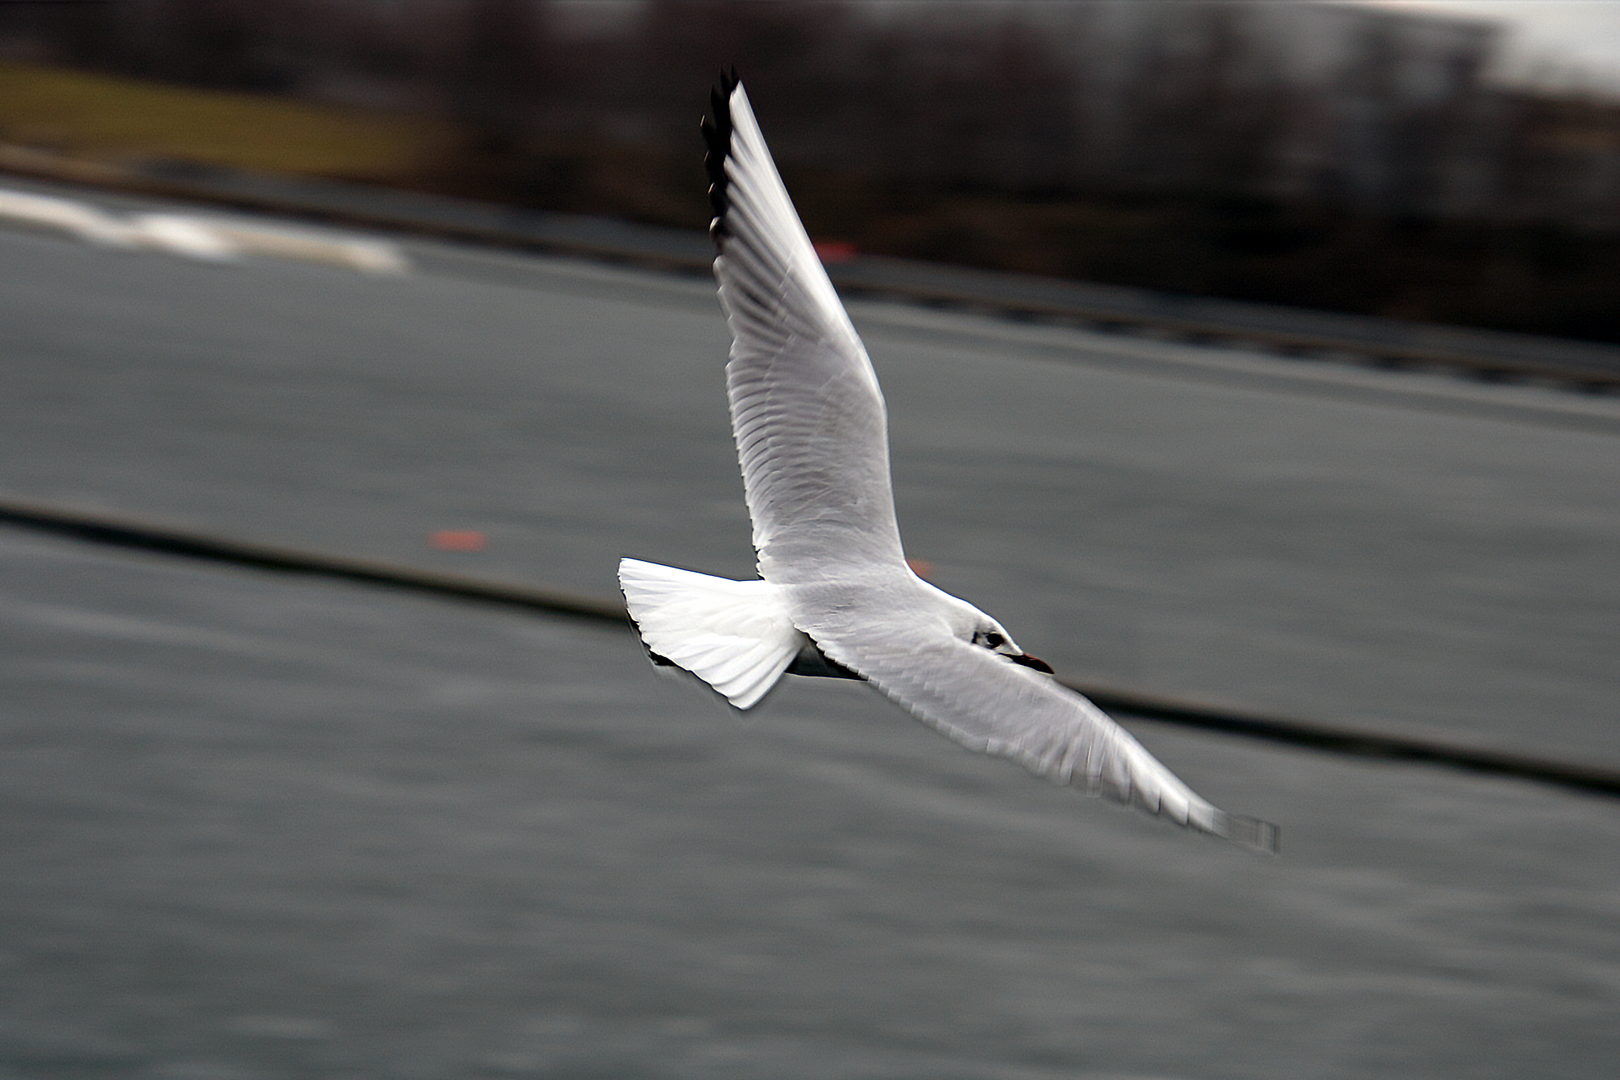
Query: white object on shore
[(201, 236)]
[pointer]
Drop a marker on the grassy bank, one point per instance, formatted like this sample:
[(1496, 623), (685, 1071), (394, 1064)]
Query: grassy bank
[(1523, 276), (111, 119)]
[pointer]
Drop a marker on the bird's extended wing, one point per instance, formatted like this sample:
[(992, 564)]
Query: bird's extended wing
[(809, 419), (990, 704)]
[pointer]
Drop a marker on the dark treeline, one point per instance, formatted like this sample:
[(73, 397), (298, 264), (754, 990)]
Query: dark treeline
[(1335, 157)]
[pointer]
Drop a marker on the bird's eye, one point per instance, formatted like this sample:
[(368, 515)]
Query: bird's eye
[(994, 640)]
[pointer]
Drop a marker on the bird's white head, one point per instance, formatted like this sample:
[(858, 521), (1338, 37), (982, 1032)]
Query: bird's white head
[(973, 626)]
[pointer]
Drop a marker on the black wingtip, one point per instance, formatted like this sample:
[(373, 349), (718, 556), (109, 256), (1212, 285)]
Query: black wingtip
[(717, 138)]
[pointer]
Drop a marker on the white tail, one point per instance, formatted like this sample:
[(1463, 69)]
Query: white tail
[(734, 635)]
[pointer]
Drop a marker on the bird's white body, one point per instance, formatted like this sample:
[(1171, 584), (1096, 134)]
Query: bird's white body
[(811, 432)]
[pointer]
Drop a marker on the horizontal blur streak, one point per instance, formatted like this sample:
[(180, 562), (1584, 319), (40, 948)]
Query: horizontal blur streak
[(1353, 158), (199, 237), (1337, 740)]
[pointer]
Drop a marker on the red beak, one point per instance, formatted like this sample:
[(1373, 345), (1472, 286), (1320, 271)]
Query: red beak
[(1033, 662)]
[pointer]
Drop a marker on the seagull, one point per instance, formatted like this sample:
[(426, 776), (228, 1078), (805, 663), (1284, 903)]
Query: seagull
[(835, 595)]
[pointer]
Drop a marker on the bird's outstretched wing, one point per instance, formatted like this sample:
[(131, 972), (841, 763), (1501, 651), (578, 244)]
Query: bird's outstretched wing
[(812, 436), (809, 419), (990, 704)]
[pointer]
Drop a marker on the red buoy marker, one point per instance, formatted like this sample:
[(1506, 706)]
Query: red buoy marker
[(458, 540)]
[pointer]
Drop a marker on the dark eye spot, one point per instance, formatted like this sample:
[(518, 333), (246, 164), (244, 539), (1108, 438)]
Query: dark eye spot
[(994, 640)]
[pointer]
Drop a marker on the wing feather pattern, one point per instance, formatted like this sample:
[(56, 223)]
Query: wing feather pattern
[(809, 419), (812, 438), (992, 705)]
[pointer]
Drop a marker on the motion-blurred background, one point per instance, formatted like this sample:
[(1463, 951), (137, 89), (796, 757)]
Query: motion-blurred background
[(1446, 162), (258, 826)]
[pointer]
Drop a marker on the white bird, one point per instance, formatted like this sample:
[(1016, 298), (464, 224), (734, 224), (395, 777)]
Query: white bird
[(835, 595)]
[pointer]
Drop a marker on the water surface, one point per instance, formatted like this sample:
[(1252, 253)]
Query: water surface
[(260, 827)]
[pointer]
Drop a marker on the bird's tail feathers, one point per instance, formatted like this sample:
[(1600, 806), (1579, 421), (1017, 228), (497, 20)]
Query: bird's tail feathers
[(734, 635)]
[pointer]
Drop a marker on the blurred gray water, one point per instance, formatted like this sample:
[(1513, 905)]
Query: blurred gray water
[(252, 826)]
